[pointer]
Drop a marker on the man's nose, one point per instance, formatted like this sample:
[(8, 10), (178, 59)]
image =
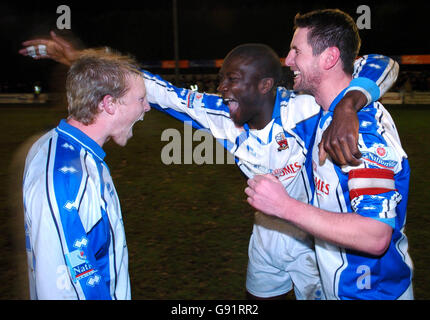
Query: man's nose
[(146, 107), (221, 86), (289, 60)]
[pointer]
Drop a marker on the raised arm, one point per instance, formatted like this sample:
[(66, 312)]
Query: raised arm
[(202, 111), (55, 48), (373, 76)]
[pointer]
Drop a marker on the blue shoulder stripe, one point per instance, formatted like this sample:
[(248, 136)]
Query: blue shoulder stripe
[(69, 181), (47, 183)]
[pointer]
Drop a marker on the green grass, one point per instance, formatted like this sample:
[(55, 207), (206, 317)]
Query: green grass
[(187, 226), (413, 127)]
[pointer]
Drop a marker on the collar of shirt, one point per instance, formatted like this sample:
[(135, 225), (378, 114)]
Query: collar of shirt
[(81, 137), (336, 100), (327, 114), (276, 118)]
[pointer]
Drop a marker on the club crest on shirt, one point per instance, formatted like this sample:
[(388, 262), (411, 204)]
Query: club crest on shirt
[(282, 141), (381, 151)]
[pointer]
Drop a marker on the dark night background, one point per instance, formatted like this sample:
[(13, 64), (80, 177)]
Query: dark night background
[(207, 29)]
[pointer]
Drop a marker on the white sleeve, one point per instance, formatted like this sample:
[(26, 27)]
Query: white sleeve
[(374, 75), (206, 110)]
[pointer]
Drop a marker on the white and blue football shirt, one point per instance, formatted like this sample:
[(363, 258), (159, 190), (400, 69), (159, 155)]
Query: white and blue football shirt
[(376, 189), (75, 238)]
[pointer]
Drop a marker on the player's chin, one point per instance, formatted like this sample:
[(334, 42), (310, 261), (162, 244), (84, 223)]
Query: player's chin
[(297, 85), (122, 141), (237, 120), (239, 124)]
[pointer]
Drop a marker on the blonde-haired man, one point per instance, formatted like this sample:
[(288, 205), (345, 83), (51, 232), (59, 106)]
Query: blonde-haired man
[(76, 243)]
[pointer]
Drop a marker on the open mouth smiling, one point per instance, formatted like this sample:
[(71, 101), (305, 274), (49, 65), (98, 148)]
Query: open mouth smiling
[(232, 104)]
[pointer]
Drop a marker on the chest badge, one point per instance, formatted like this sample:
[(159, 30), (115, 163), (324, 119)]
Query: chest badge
[(282, 141)]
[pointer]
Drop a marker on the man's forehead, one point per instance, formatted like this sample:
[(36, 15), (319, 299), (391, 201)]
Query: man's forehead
[(135, 80), (237, 64), (131, 76), (300, 37)]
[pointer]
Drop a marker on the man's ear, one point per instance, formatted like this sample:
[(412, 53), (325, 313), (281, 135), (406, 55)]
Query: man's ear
[(107, 104), (330, 57), (265, 85)]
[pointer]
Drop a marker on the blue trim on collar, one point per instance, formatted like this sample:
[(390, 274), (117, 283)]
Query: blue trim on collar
[(329, 113), (336, 100), (276, 115), (81, 137), (277, 108)]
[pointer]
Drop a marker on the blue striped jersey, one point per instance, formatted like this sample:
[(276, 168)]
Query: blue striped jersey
[(75, 238), (377, 189)]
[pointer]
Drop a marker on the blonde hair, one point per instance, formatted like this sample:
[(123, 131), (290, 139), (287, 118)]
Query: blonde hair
[(95, 74)]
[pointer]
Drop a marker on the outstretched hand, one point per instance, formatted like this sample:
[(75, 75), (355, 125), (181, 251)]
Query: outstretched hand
[(55, 48), (340, 139)]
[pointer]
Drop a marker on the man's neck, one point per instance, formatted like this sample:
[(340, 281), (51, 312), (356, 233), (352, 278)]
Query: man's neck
[(92, 130), (265, 116), (330, 88)]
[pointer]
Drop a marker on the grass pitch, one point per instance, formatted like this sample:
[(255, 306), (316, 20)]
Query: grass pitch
[(187, 226)]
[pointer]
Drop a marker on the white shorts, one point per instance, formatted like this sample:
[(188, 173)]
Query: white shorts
[(280, 256)]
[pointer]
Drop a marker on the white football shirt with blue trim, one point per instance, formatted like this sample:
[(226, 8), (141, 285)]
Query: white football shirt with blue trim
[(76, 245), (377, 189)]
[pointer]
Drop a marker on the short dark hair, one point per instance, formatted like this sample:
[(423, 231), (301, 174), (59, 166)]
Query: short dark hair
[(265, 59), (331, 28)]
